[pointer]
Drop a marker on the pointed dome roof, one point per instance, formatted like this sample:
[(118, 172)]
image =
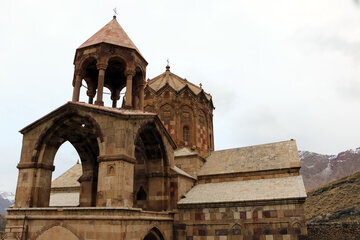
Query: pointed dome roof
[(174, 81), (111, 33)]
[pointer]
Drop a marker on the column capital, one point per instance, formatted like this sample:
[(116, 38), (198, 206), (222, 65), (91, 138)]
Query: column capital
[(101, 66), (130, 72)]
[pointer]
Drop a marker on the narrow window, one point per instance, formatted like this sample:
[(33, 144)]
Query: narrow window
[(186, 134), (141, 194)]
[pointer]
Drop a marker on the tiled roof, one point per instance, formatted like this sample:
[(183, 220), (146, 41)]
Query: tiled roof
[(111, 33), (242, 191), (182, 172), (264, 157), (68, 178), (174, 81)]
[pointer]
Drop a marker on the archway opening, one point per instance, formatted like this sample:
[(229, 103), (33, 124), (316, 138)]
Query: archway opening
[(154, 234), (65, 188), (82, 133), (151, 169), (115, 80), (91, 74)]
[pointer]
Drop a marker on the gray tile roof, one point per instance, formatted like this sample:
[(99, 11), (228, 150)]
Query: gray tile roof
[(182, 172), (68, 178), (242, 191), (270, 156)]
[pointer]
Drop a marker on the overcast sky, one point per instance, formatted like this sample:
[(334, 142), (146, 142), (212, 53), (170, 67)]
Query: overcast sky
[(276, 69)]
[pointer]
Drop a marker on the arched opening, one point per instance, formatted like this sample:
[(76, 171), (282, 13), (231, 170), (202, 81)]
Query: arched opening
[(83, 133), (115, 80), (235, 232), (141, 194), (55, 232), (91, 74), (151, 169), (186, 126), (154, 234), (65, 188)]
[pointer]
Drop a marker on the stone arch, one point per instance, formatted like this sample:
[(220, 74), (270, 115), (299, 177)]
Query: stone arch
[(151, 168), (54, 230), (89, 72), (187, 119), (296, 227), (115, 76), (255, 213), (153, 234), (83, 132), (235, 232)]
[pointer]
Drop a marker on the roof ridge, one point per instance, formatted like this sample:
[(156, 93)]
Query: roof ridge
[(256, 145)]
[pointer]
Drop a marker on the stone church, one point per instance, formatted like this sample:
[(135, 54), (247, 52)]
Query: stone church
[(148, 167)]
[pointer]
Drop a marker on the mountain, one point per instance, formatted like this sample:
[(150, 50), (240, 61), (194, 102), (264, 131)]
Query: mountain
[(336, 202), (6, 199), (318, 169)]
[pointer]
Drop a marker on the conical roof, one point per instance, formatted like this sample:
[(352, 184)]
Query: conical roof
[(111, 33), (174, 81)]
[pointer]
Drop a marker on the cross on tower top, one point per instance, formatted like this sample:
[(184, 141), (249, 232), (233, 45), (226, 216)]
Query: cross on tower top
[(115, 12)]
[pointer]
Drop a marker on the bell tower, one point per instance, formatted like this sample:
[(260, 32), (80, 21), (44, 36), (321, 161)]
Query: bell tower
[(110, 59)]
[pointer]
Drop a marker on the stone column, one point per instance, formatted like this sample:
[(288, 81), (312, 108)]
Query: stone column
[(91, 95), (115, 96), (141, 96), (86, 190), (101, 79), (115, 181), (77, 86), (128, 95)]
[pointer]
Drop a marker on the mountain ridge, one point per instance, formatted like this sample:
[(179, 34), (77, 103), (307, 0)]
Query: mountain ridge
[(320, 169)]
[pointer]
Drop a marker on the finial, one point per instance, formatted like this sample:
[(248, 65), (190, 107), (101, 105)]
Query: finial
[(200, 85), (77, 162), (167, 66), (115, 13)]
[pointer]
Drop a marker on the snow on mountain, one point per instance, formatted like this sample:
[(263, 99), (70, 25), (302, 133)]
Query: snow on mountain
[(319, 169), (6, 200), (7, 195)]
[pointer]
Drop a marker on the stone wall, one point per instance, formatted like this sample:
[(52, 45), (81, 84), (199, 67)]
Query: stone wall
[(263, 222), (88, 223), (190, 164), (334, 231)]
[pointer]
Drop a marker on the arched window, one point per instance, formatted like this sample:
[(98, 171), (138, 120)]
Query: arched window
[(141, 194), (186, 133)]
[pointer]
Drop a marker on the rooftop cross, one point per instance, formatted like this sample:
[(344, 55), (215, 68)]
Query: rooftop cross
[(167, 66), (115, 12)]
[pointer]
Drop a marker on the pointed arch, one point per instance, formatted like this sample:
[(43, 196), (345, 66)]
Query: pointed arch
[(151, 169), (235, 232), (154, 234), (83, 132)]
